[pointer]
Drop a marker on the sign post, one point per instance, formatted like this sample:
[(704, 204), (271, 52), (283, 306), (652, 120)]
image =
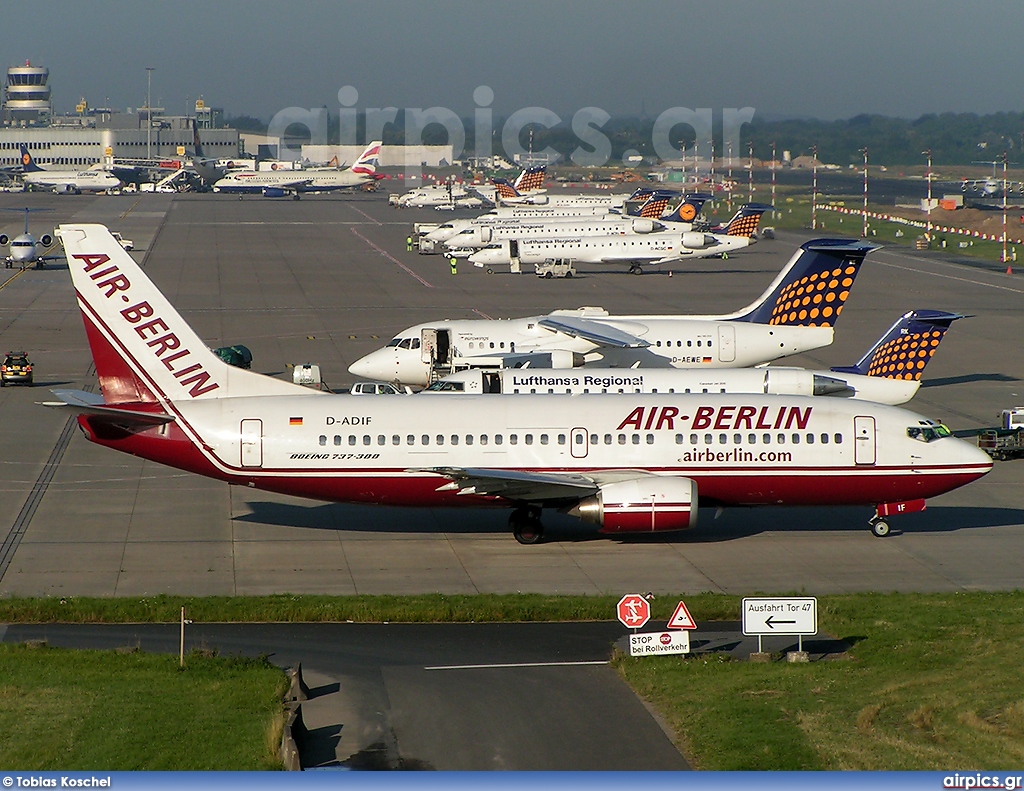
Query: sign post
[(782, 616)]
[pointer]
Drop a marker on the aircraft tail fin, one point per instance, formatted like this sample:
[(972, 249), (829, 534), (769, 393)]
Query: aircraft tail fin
[(142, 347), (905, 350), (812, 288), (688, 209), (504, 189), (368, 161), (28, 164), (745, 221), (197, 146), (531, 179)]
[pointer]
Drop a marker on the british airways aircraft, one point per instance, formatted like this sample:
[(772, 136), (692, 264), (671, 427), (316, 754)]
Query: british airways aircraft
[(625, 463), (280, 183), (795, 314)]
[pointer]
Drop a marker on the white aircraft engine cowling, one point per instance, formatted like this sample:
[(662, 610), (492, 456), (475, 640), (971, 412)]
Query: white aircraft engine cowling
[(485, 235), (642, 505), (643, 226), (694, 240), (46, 240)]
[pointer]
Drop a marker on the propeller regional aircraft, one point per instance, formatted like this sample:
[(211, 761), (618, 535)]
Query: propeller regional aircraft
[(627, 463)]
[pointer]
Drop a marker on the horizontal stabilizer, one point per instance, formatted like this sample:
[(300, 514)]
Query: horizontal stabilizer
[(92, 404)]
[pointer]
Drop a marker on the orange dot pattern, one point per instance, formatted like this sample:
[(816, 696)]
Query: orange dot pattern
[(744, 226), (815, 300), (531, 180), (905, 357), (654, 207)]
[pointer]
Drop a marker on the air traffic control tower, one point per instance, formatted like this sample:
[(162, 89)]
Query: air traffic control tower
[(27, 96)]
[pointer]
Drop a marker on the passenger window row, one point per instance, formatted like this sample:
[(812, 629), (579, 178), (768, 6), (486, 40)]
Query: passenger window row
[(680, 343), (765, 439), (441, 439)]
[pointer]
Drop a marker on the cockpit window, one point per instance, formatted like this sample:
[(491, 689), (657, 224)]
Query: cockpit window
[(447, 387), (394, 341), (929, 433)]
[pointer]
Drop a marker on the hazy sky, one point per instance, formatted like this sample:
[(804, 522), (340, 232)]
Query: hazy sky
[(784, 58)]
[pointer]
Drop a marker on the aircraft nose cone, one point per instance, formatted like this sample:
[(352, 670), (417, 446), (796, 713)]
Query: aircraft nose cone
[(369, 367)]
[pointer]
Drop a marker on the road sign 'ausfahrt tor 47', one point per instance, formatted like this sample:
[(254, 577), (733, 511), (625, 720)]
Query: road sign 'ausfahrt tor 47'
[(797, 616)]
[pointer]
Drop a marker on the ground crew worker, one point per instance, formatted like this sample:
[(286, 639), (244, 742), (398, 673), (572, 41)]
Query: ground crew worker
[(453, 262), (408, 244)]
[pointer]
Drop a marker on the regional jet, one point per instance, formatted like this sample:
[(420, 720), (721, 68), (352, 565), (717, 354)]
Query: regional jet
[(795, 314)]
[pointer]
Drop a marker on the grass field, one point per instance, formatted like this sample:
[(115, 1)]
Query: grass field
[(931, 681), (101, 710)]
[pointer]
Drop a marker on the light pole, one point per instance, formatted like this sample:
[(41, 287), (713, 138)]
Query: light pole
[(729, 178), (814, 188), (750, 177), (864, 228), (1004, 207), (149, 112), (711, 174), (774, 213), (928, 210)]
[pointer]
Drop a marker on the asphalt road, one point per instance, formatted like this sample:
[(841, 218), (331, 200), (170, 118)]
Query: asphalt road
[(327, 279), (424, 696)]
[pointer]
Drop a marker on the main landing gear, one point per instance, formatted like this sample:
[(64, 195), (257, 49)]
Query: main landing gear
[(635, 269), (526, 525)]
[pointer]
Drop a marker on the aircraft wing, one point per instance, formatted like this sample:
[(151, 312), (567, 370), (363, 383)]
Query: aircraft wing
[(290, 184), (93, 405), (594, 331), (527, 486), (515, 484)]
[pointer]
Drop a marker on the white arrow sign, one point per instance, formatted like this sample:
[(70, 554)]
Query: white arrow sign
[(780, 616)]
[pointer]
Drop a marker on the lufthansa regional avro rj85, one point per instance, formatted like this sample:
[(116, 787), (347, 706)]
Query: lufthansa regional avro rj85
[(795, 314), (626, 463)]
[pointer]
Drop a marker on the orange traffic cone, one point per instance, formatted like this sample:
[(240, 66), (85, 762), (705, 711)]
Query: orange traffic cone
[(1009, 269)]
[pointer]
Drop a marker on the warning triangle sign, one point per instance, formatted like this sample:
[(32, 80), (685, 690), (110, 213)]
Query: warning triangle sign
[(681, 618)]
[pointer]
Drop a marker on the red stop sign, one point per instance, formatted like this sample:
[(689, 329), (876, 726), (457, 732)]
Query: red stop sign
[(633, 611)]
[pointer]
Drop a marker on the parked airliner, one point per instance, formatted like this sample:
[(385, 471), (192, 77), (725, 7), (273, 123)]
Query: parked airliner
[(636, 250), (279, 183), (795, 314), (65, 181), (890, 372), (626, 463)]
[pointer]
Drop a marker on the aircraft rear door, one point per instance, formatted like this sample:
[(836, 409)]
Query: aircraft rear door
[(726, 343), (579, 442), (864, 440), (252, 443), (513, 255)]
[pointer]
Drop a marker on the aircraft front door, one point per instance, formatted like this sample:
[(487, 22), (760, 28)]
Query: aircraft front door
[(252, 443), (864, 440), (513, 255), (579, 443)]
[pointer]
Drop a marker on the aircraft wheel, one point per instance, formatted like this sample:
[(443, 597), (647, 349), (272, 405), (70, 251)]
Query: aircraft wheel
[(880, 528), (526, 525), (635, 270)]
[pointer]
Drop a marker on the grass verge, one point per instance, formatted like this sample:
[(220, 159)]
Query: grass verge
[(932, 681), (103, 710)]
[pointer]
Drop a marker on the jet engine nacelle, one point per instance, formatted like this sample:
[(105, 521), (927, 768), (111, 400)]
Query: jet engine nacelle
[(694, 240), (642, 505), (4, 239), (273, 192), (485, 235), (643, 226), (66, 189), (539, 200), (45, 240)]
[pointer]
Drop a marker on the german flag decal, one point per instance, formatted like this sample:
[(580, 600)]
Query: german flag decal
[(295, 421)]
